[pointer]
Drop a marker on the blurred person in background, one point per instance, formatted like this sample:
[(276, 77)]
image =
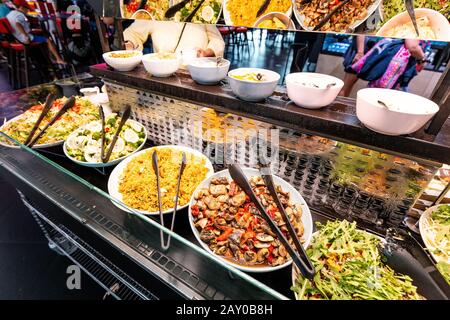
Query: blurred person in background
[(169, 36), (391, 63), (22, 32)]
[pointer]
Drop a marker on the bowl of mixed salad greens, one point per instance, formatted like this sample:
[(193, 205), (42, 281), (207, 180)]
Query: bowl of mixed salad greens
[(83, 146), (434, 225), (18, 128), (349, 267)]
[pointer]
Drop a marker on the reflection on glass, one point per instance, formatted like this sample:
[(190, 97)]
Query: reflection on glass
[(360, 61)]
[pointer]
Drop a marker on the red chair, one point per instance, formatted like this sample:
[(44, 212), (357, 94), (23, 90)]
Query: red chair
[(6, 48), (17, 52)]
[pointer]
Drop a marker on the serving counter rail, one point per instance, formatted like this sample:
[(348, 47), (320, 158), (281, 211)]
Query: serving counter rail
[(332, 175)]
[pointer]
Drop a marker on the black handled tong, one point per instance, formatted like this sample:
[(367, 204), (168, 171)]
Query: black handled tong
[(263, 8), (175, 8), (47, 106), (409, 4), (155, 166), (123, 120), (192, 14), (142, 5), (67, 105), (300, 258), (330, 15)]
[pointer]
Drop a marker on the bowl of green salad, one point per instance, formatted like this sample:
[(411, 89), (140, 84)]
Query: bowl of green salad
[(83, 146)]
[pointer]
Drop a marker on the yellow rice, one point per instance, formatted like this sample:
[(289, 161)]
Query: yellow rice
[(243, 12), (138, 181)]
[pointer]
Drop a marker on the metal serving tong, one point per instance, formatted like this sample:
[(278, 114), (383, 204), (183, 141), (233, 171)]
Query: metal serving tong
[(300, 258), (409, 4), (67, 105), (47, 106), (166, 246), (192, 14), (123, 120), (329, 15)]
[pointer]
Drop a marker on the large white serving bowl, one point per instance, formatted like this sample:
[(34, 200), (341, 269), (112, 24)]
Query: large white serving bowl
[(439, 24), (301, 88), (206, 71), (251, 90), (408, 112), (161, 67), (296, 198), (123, 64), (428, 235), (115, 177)]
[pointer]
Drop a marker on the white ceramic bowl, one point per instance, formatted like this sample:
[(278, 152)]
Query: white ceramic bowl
[(300, 89), (428, 235), (408, 112), (161, 67), (123, 64), (251, 90), (206, 71), (295, 197), (287, 21), (439, 23)]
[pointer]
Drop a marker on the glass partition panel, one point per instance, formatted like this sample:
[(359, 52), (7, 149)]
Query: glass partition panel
[(81, 193)]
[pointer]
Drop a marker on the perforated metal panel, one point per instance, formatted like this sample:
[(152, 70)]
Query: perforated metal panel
[(334, 177)]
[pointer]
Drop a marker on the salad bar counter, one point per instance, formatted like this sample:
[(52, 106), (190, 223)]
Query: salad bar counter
[(111, 213)]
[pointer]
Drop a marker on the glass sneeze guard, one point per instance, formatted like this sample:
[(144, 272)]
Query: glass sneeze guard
[(182, 251)]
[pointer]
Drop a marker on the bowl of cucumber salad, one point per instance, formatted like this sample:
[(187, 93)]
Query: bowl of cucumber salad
[(83, 146)]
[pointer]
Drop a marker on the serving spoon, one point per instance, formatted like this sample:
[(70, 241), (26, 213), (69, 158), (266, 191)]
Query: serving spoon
[(409, 4)]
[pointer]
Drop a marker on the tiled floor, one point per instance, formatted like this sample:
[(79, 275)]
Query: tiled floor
[(28, 268)]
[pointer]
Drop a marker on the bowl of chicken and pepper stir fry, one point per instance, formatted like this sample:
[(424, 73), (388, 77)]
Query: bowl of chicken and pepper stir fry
[(228, 225)]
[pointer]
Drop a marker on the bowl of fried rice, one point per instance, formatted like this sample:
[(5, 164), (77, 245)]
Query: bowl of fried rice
[(133, 181)]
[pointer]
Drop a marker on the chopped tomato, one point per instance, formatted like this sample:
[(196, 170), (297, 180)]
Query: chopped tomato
[(271, 212), (247, 235), (37, 107), (224, 236), (194, 210), (270, 256)]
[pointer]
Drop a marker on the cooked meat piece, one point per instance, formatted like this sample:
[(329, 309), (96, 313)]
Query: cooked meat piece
[(238, 199), (212, 203), (220, 180), (217, 189)]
